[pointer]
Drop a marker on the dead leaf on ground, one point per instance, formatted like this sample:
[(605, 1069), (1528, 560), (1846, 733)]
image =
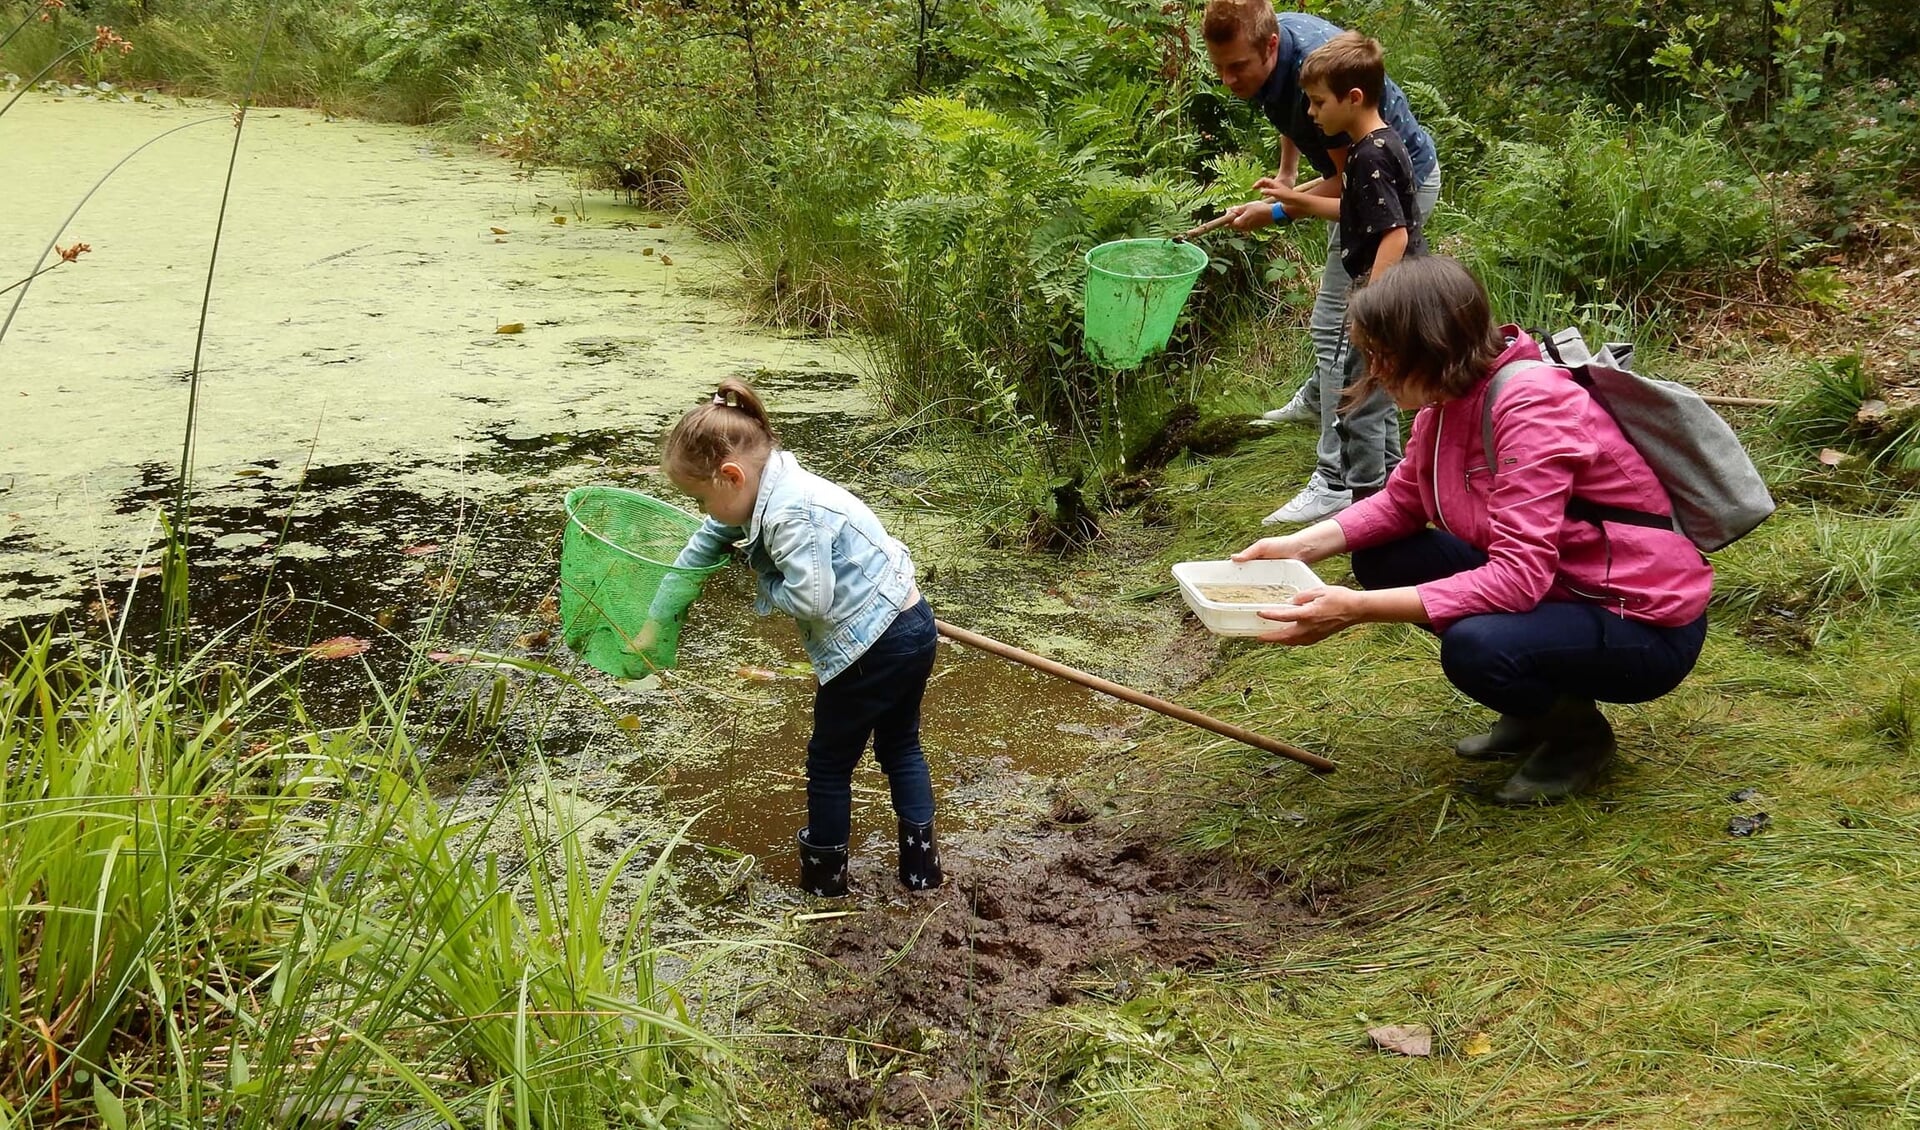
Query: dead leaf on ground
[(1831, 457), (1408, 1039), (102, 610), (646, 251), (449, 657), (510, 328), (1478, 1044), (144, 571), (421, 549), (549, 609), (757, 674), (666, 260), (498, 231), (339, 647)]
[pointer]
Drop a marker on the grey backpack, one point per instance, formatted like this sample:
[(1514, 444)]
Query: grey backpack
[(1717, 494)]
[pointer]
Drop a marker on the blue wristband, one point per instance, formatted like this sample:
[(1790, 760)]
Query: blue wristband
[(1279, 213)]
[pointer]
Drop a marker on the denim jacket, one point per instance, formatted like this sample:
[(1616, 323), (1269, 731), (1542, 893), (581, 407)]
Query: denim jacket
[(821, 556)]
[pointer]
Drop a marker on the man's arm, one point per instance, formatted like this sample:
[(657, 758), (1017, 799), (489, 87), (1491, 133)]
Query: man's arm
[(1319, 199), (1289, 167)]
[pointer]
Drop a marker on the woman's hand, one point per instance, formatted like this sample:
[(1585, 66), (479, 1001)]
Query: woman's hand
[(1317, 542), (1314, 615), (1287, 548)]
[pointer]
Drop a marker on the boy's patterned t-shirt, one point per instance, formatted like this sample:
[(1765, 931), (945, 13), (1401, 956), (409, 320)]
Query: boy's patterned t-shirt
[(1377, 197)]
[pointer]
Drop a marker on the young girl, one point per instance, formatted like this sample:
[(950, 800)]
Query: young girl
[(821, 557)]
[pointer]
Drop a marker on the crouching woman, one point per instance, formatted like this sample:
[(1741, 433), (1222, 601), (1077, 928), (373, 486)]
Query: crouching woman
[(1546, 592)]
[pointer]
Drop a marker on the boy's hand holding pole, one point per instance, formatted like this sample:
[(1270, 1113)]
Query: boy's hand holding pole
[(1251, 216)]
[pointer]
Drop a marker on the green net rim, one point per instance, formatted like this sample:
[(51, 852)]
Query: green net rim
[(1193, 254), (577, 494)]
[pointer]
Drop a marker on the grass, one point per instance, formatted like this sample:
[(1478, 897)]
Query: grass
[(207, 904), (1620, 960)]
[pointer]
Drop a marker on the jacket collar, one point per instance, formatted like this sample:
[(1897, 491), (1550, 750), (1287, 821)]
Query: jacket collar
[(1520, 347), (779, 463)]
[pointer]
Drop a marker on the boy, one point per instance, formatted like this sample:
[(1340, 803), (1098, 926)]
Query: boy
[(1258, 54), (1379, 216)]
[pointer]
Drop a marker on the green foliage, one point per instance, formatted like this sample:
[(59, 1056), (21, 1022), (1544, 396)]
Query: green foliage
[(436, 40), (1840, 409), (1596, 206), (565, 1029), (119, 810), (205, 907), (1858, 149), (639, 105), (210, 50), (1526, 53), (1897, 722), (983, 226)]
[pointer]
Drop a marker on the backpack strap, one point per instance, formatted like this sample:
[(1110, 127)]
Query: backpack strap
[(1579, 509), (1497, 382)]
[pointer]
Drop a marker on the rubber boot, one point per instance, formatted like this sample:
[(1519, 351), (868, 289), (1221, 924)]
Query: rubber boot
[(1510, 737), (823, 870), (1576, 745), (920, 857)]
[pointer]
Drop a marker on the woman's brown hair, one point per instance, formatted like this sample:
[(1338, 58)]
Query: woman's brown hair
[(1424, 325), (731, 425)]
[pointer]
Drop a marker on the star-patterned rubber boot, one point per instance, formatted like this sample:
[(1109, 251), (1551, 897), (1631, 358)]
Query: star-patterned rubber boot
[(823, 870), (919, 857)]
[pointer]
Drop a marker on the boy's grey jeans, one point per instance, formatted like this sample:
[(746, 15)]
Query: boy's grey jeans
[(1357, 451)]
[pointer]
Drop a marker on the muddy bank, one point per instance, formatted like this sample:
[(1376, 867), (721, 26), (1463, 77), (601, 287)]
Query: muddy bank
[(921, 995)]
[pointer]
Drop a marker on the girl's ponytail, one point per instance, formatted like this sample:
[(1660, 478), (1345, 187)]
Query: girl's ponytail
[(731, 424)]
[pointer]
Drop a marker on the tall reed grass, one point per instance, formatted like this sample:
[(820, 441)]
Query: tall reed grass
[(207, 905), (310, 58)]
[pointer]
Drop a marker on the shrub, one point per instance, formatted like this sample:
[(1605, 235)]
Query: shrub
[(1599, 207), (638, 106)]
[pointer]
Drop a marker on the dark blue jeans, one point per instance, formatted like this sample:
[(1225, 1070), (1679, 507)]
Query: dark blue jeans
[(1519, 662), (878, 697)]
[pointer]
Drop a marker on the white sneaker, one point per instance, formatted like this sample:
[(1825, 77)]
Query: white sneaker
[(1295, 411), (1317, 501)]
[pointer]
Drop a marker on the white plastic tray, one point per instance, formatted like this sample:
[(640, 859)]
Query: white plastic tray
[(1239, 619)]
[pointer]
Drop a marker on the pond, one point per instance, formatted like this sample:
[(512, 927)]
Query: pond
[(374, 458)]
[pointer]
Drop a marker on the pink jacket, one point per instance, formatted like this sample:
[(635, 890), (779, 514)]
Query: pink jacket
[(1552, 442)]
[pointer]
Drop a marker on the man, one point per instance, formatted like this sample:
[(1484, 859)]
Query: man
[(1257, 55)]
